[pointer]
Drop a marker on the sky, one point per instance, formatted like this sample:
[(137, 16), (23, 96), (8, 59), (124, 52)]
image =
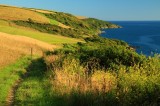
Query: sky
[(111, 10)]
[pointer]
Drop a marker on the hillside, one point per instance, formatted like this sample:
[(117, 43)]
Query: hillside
[(19, 44), (15, 13), (70, 26), (43, 26), (51, 58), (10, 28), (54, 22)]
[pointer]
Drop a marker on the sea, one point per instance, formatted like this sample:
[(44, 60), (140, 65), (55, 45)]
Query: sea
[(143, 35)]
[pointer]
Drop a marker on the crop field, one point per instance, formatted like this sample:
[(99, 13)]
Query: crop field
[(13, 47), (42, 11), (10, 13)]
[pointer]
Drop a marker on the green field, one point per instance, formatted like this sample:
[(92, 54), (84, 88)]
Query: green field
[(54, 22), (49, 38)]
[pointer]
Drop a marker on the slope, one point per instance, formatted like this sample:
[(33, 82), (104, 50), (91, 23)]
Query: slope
[(15, 13), (13, 47), (48, 38)]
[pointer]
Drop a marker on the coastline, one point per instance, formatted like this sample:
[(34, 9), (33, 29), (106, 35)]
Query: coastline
[(142, 35)]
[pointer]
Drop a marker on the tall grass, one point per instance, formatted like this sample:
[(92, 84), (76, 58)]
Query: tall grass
[(133, 85), (13, 47)]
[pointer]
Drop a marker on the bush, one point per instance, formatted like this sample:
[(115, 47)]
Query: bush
[(48, 28), (102, 53), (98, 73), (133, 85)]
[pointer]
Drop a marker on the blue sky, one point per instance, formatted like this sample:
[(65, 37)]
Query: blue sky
[(102, 9)]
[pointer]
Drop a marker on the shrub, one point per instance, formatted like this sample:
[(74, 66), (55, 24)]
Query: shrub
[(81, 76)]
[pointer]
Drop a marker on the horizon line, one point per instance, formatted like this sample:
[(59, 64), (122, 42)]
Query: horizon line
[(132, 20)]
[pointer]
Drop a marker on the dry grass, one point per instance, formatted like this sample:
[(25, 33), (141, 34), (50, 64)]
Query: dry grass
[(73, 77), (13, 46), (43, 11), (81, 17), (13, 13), (67, 82), (63, 26)]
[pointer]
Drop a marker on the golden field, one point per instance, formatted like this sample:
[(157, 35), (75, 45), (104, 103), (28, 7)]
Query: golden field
[(42, 11), (13, 47), (14, 13)]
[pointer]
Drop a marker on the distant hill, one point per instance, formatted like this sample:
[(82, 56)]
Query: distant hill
[(53, 22)]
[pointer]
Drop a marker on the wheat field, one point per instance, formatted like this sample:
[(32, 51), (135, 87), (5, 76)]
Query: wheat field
[(14, 13), (13, 47), (43, 11)]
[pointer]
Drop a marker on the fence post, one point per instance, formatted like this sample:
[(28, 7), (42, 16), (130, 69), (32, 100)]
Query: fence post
[(31, 53)]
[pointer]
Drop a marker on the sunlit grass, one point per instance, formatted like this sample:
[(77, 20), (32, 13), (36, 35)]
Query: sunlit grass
[(9, 76), (35, 89), (54, 22), (138, 84), (13, 47), (10, 13)]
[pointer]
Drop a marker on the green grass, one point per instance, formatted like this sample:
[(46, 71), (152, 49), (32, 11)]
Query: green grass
[(9, 76), (49, 38), (35, 89), (53, 22), (31, 89)]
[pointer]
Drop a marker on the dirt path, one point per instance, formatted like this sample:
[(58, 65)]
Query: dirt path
[(34, 90), (10, 100), (11, 94)]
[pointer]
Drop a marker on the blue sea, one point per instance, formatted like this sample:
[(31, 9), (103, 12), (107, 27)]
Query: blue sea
[(144, 35)]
